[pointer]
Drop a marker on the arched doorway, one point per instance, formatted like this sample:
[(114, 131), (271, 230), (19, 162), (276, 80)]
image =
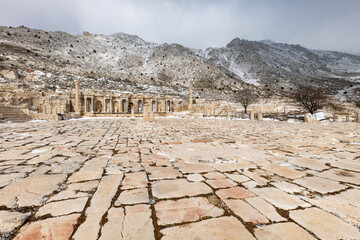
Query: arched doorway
[(88, 104), (168, 107), (123, 105), (131, 105), (153, 105), (159, 107), (98, 106), (116, 106), (139, 106)]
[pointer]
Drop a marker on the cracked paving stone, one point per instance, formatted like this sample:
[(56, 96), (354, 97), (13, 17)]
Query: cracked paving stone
[(133, 196), (279, 198), (99, 204), (158, 173), (134, 180), (320, 185), (222, 228), (283, 231), (246, 212), (324, 225), (178, 188), (113, 228), (11, 220), (284, 171), (185, 210), (138, 223), (265, 208), (59, 228), (221, 183), (30, 191), (236, 192), (62, 207)]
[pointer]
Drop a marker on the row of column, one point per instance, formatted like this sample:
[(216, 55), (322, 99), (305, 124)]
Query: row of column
[(124, 107)]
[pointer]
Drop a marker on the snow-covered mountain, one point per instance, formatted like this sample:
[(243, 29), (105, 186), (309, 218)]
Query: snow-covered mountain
[(128, 63)]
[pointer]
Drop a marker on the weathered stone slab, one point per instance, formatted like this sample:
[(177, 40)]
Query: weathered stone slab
[(223, 228), (185, 210), (347, 165), (283, 231), (92, 170), (221, 183), (62, 207), (341, 175), (320, 185), (214, 175), (178, 188), (288, 187), (59, 228), (324, 225), (229, 167), (265, 208), (262, 181), (195, 177), (113, 228), (314, 164), (133, 196), (236, 192), (67, 194), (246, 212), (195, 168), (279, 198), (284, 171), (99, 204), (157, 173), (83, 186), (138, 223), (30, 191), (11, 220), (134, 180), (237, 177), (348, 211)]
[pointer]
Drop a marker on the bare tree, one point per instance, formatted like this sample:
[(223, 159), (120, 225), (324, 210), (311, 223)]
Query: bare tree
[(310, 98), (355, 97), (246, 97)]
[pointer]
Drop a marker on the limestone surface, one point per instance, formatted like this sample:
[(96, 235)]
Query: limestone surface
[(179, 178)]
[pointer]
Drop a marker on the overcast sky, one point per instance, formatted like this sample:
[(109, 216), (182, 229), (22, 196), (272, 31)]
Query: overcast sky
[(316, 24)]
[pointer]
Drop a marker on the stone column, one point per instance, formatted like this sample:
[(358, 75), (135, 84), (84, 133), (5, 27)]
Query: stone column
[(111, 105), (77, 96), (127, 105), (252, 117), (190, 98), (260, 116), (146, 112), (92, 104)]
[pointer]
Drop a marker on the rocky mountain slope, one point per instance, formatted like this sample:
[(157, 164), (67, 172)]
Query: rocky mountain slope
[(122, 62)]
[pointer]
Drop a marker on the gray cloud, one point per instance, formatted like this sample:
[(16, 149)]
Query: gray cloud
[(317, 24)]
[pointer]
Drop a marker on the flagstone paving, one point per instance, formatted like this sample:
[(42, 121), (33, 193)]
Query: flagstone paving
[(179, 179)]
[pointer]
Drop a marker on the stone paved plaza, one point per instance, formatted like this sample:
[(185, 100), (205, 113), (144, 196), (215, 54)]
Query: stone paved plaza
[(179, 179)]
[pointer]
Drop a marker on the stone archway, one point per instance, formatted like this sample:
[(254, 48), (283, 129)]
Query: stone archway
[(131, 105), (168, 107), (98, 106), (139, 106), (123, 105), (116, 107), (88, 105), (159, 107), (153, 105)]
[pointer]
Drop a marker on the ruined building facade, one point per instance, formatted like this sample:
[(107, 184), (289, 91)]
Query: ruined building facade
[(97, 104)]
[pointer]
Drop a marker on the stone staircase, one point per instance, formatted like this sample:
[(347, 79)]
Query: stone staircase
[(13, 114)]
